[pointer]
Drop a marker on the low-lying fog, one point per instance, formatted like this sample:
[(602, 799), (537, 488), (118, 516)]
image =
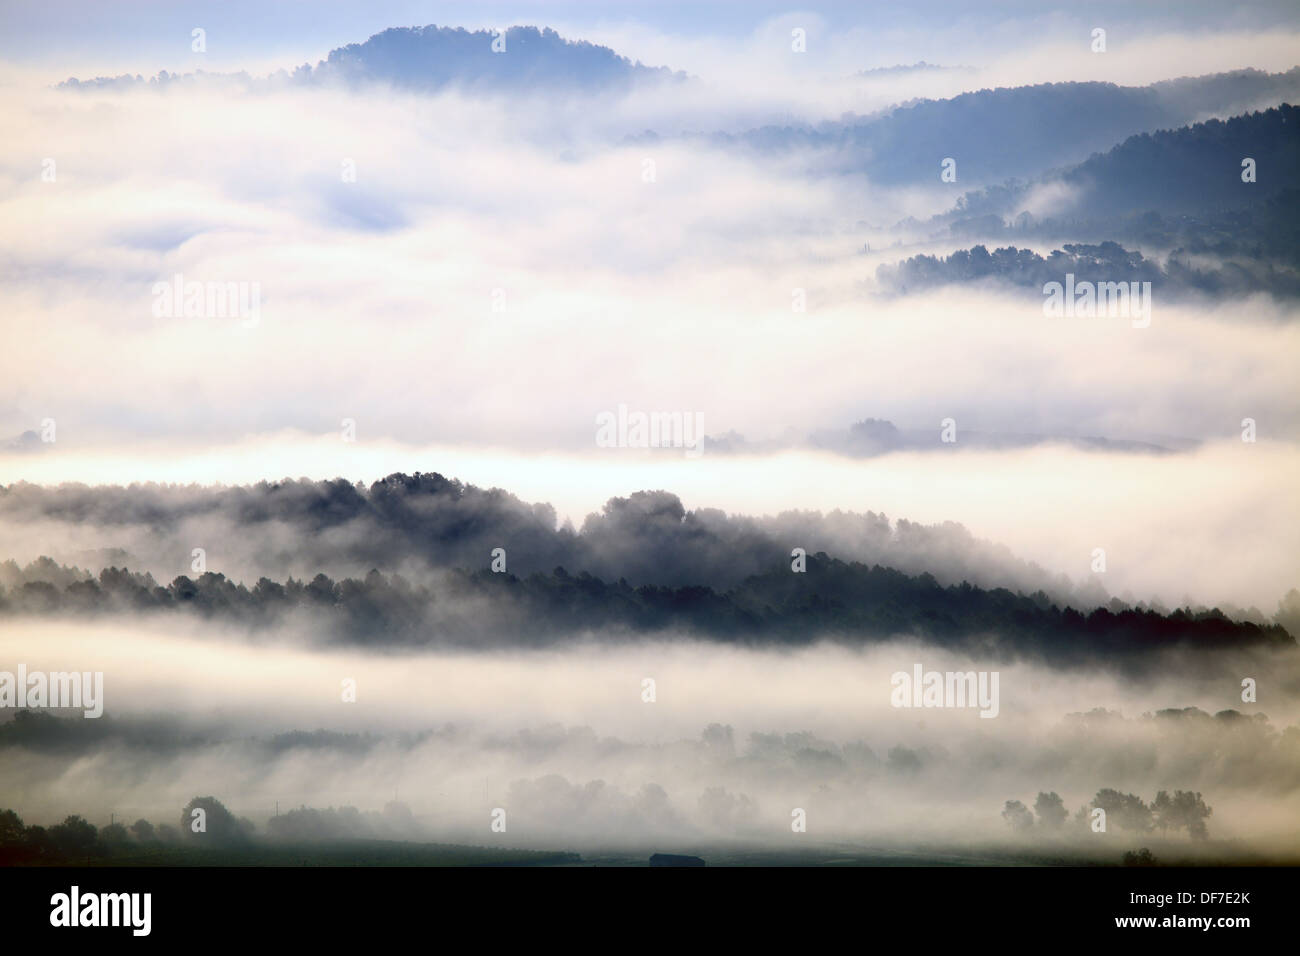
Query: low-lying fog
[(564, 742)]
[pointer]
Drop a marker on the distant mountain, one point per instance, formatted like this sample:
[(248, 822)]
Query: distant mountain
[(434, 58), (873, 436), (1177, 194), (431, 58), (1106, 262), (995, 135), (904, 68), (1194, 170)]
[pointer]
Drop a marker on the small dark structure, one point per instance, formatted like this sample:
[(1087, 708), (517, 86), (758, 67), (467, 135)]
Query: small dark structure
[(673, 859)]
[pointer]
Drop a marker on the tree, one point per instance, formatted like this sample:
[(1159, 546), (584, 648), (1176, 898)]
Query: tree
[(1051, 810), (1017, 816), (219, 825), (113, 835), (1160, 810), (38, 843), (142, 830), (1185, 810), (1141, 857), (1124, 810), (1288, 611), (11, 829), (74, 837)]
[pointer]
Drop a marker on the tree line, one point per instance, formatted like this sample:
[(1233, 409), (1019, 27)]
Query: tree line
[(833, 599), (1184, 810)]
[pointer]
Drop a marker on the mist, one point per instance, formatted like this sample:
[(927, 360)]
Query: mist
[(733, 741), (1228, 504)]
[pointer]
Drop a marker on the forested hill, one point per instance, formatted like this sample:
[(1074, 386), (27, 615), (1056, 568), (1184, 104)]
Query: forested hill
[(521, 59), (1015, 132), (1181, 275), (425, 520), (830, 599), (1189, 170), (1194, 169)]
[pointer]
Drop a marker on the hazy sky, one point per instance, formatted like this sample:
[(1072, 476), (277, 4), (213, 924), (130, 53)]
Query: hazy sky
[(147, 35)]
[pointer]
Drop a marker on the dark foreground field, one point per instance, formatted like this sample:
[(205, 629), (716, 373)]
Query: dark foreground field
[(348, 853), (388, 853)]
